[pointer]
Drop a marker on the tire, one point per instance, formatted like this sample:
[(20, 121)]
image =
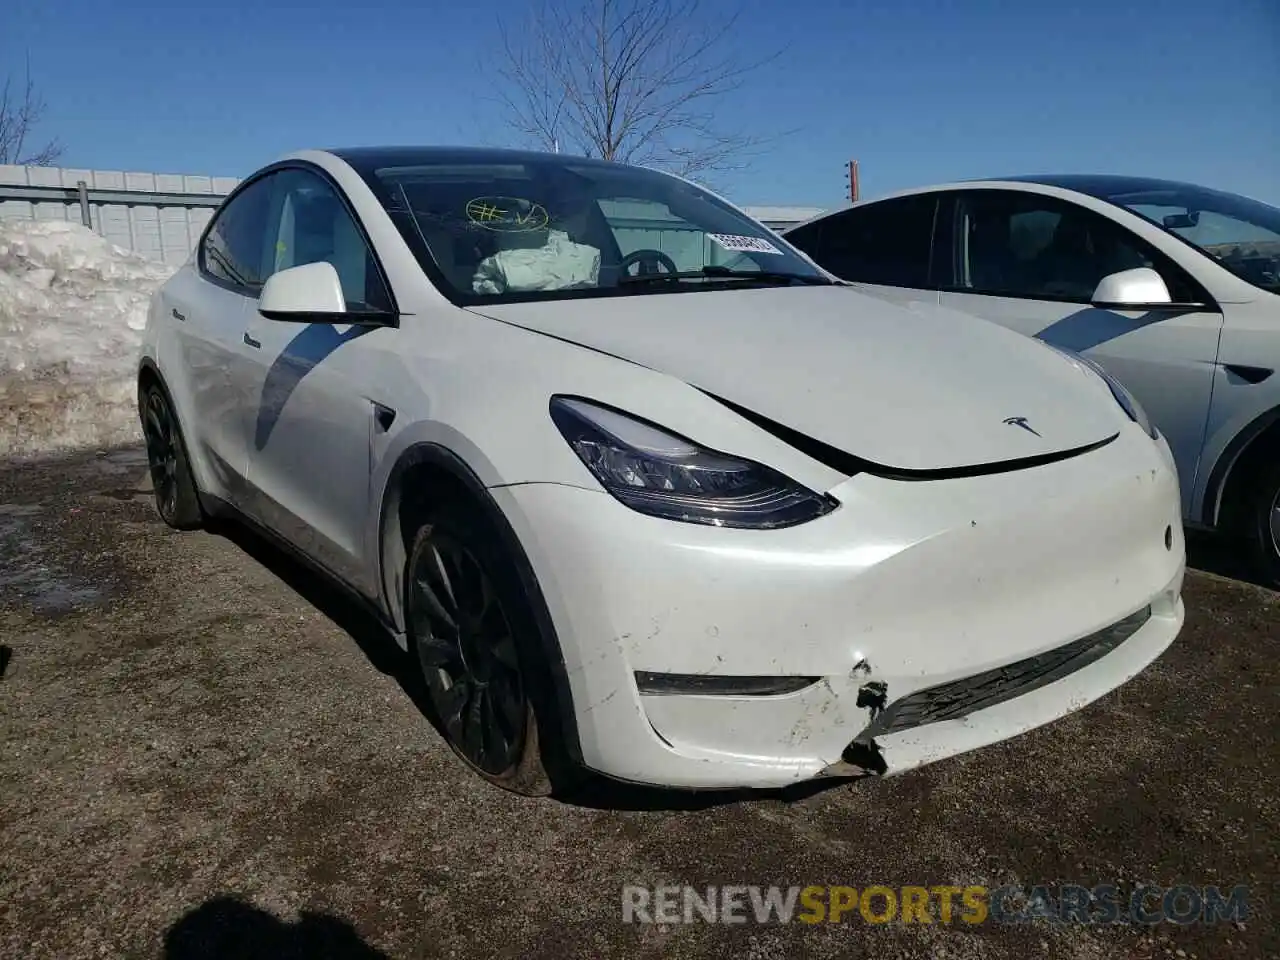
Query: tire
[(1264, 524), (475, 639), (176, 497)]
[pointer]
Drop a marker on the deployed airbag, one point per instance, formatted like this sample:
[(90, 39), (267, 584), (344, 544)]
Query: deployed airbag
[(558, 264)]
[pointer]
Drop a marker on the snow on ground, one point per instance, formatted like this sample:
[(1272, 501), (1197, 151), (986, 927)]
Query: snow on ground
[(72, 310)]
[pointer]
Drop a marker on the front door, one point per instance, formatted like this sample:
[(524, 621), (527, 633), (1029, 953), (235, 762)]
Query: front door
[(1031, 262), (313, 396)]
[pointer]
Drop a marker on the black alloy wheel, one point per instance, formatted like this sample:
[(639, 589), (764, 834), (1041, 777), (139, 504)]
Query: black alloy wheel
[(1264, 525), (175, 491), (462, 627)]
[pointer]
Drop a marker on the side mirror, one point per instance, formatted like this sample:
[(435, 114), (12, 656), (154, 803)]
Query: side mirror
[(1182, 221), (312, 293), (1132, 290), (305, 294)]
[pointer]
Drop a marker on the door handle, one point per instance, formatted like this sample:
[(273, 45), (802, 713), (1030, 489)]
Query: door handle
[(1248, 374), (178, 316), (383, 416), (250, 342)]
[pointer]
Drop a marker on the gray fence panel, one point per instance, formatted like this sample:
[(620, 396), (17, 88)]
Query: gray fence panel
[(155, 214)]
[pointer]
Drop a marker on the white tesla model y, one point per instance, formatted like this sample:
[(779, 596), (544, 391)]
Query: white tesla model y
[(644, 490)]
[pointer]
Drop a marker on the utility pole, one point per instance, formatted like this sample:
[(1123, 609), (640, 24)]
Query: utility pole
[(851, 180)]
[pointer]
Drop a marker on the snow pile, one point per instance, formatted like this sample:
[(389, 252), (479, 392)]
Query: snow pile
[(72, 311)]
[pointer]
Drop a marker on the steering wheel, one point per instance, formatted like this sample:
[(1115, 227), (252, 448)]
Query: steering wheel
[(649, 261)]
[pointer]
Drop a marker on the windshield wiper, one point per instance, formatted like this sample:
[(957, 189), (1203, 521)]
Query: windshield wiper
[(727, 273)]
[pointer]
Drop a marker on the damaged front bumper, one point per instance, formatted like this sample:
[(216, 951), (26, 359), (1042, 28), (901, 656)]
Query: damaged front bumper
[(917, 621), (776, 741), (953, 718)]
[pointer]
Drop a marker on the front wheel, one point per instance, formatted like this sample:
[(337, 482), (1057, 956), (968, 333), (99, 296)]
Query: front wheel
[(1264, 525), (477, 646)]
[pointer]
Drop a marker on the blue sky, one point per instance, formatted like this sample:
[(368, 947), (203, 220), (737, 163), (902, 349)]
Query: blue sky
[(917, 91)]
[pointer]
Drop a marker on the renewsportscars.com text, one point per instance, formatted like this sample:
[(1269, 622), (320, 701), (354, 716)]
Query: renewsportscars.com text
[(1068, 903)]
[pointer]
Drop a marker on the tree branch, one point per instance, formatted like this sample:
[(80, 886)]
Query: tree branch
[(20, 111), (628, 80)]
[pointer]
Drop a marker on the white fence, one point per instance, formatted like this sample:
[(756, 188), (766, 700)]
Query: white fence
[(161, 215)]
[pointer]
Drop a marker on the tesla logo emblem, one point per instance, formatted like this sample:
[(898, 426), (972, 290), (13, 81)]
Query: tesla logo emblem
[(1021, 422)]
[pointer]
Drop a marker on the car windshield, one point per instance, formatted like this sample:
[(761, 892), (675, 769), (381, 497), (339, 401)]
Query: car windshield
[(1242, 235), (551, 228)]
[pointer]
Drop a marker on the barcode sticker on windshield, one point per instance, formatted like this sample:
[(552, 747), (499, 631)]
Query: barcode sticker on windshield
[(744, 244)]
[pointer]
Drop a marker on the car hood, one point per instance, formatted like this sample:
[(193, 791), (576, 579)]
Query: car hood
[(908, 387)]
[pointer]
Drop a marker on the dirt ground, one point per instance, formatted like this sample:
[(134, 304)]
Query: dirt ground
[(203, 754)]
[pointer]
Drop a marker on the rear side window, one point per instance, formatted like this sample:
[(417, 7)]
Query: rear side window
[(231, 253), (888, 242), (807, 238)]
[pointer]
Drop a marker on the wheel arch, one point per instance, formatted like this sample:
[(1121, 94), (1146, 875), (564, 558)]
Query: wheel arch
[(425, 473), (149, 374), (1236, 464)]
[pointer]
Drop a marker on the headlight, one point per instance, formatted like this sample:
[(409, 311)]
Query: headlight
[(1128, 403), (665, 475)]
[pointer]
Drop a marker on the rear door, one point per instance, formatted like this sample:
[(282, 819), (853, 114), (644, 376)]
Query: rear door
[(1031, 262), (209, 309), (885, 247)]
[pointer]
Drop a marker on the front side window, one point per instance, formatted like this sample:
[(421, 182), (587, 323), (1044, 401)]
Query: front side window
[(309, 223), (887, 242), (232, 249), (1026, 245), (1242, 235), (557, 227)]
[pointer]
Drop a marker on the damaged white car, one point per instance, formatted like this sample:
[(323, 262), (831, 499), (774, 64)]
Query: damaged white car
[(644, 490)]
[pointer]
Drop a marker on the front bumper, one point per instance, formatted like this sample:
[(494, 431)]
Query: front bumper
[(911, 585)]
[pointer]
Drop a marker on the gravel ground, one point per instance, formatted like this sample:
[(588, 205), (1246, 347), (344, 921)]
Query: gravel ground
[(203, 754)]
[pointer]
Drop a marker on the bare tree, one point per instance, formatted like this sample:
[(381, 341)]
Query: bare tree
[(21, 109), (637, 81)]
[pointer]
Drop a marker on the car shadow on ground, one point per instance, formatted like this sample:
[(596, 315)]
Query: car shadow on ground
[(351, 617), (385, 656), (603, 794), (227, 926), (1221, 555)]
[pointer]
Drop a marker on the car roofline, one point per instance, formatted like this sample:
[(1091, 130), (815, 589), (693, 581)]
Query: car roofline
[(985, 183), (1058, 185)]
